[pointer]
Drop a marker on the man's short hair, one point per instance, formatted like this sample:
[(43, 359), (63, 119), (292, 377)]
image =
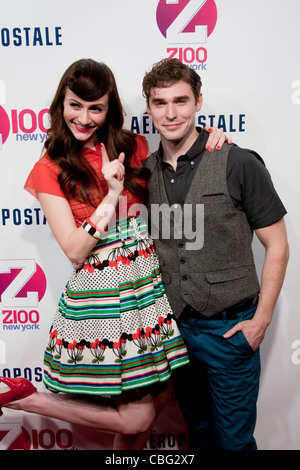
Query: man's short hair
[(166, 73)]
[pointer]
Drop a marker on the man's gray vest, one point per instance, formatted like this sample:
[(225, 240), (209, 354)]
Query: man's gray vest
[(215, 269)]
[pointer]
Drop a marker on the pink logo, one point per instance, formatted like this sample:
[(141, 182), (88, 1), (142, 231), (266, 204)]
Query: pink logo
[(4, 126), (186, 21), (22, 283), (14, 437)]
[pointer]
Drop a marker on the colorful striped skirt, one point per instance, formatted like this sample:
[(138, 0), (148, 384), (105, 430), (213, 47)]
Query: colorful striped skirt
[(114, 329)]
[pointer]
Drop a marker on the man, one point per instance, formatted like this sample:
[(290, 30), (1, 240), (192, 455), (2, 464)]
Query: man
[(222, 311)]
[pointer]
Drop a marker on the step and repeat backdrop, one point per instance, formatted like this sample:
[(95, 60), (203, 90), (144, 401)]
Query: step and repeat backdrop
[(247, 54)]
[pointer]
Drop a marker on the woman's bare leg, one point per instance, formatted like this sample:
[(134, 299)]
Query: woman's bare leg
[(138, 441), (129, 417)]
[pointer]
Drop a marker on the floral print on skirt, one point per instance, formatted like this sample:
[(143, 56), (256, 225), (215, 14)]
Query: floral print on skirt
[(114, 329)]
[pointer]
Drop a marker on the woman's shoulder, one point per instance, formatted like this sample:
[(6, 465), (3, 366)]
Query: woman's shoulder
[(43, 178), (46, 168), (46, 161)]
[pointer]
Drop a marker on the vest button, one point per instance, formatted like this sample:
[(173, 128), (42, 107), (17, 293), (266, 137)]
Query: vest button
[(184, 278), (182, 261), (180, 245)]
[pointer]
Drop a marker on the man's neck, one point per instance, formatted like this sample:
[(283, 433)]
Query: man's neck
[(172, 150)]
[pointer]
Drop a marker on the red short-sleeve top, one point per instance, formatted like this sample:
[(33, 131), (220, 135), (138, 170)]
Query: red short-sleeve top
[(44, 178)]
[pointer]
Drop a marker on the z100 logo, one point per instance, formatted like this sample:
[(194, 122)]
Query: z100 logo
[(22, 286), (27, 125), (186, 23), (13, 436)]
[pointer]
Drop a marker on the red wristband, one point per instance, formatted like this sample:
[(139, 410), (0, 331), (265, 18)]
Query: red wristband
[(95, 226)]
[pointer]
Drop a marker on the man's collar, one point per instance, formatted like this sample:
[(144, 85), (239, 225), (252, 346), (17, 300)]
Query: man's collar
[(196, 149)]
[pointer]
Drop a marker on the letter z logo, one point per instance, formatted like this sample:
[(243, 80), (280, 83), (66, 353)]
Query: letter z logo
[(22, 283), (14, 437), (186, 21)]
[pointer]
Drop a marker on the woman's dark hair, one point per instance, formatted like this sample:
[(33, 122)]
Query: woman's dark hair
[(90, 80)]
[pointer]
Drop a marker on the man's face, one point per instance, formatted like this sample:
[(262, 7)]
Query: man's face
[(173, 109)]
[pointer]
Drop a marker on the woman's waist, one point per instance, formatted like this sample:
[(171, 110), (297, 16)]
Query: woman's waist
[(125, 230)]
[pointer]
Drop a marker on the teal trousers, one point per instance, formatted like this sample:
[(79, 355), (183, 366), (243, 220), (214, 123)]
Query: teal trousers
[(218, 390)]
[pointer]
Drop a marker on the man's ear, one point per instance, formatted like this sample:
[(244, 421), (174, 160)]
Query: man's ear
[(199, 102)]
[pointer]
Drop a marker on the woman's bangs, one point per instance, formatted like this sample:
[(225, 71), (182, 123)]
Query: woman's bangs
[(88, 88)]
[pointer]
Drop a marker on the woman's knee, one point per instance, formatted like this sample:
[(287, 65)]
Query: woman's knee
[(140, 421), (137, 416)]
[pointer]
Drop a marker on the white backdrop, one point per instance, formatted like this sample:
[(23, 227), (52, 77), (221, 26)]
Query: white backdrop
[(247, 53)]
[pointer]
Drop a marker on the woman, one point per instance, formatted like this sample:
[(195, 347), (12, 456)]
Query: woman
[(113, 332)]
